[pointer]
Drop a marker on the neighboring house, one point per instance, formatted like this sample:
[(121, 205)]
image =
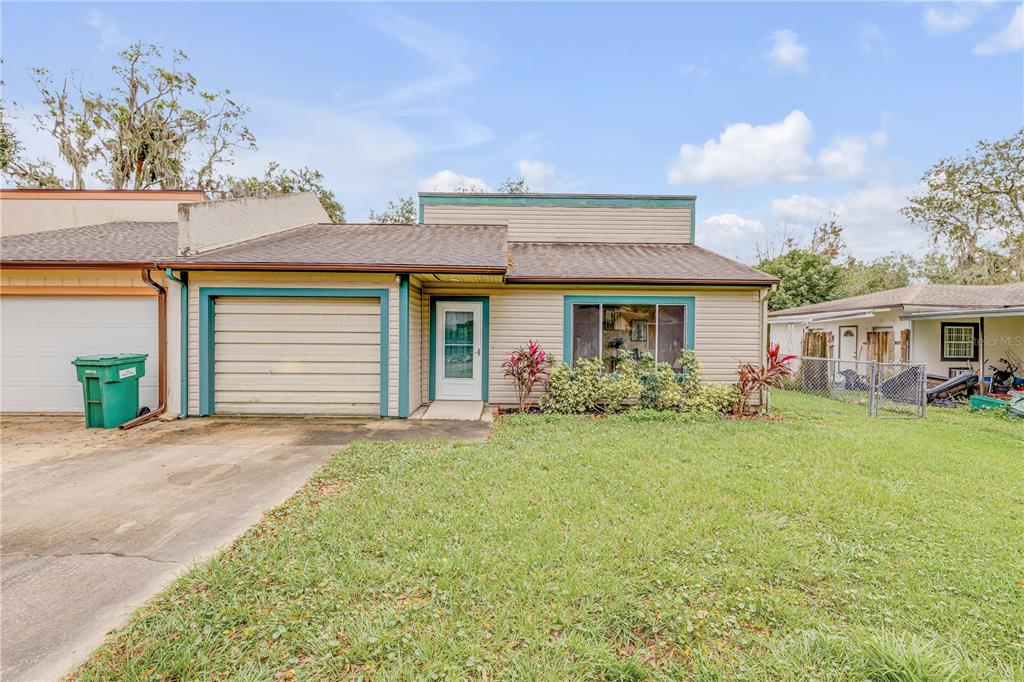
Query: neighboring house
[(283, 312), (54, 312), (950, 328), (35, 210)]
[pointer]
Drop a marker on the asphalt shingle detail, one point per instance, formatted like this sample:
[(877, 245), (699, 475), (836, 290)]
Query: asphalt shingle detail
[(116, 242), (370, 244), (926, 295), (626, 262)]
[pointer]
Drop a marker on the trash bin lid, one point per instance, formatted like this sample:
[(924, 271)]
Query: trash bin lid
[(109, 360)]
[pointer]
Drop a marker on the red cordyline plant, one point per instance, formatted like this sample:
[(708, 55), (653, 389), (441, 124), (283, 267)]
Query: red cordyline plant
[(769, 375), (526, 366)]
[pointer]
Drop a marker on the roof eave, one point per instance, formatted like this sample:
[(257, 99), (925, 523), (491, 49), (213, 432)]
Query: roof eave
[(634, 280), (75, 264), (337, 267)]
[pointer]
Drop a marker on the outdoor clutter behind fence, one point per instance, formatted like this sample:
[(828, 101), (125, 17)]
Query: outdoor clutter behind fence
[(886, 389)]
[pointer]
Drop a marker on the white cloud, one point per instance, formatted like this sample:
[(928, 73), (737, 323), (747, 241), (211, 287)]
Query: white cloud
[(109, 33), (1010, 39), (450, 181), (729, 234), (787, 53), (846, 159), (872, 40), (538, 175), (949, 19), (694, 70), (870, 217), (748, 154)]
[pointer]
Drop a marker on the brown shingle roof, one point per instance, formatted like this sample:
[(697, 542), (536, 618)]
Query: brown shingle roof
[(925, 295), (479, 248), (677, 263), (116, 242)]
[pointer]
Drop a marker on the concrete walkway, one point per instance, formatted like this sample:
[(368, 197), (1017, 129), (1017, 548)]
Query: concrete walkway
[(96, 522)]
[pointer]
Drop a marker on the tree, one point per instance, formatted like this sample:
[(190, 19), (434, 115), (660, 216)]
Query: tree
[(889, 272), (277, 181), (515, 185), (22, 172), (156, 128), (804, 278), (973, 210), (827, 239), (403, 211)]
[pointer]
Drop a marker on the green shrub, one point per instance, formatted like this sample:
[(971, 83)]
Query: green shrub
[(622, 388), (710, 398), (662, 387), (575, 389)]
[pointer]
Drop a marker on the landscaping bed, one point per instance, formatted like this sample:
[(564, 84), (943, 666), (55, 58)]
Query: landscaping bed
[(632, 546)]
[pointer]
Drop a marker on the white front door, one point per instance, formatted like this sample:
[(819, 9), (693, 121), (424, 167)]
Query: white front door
[(459, 355), (847, 343)]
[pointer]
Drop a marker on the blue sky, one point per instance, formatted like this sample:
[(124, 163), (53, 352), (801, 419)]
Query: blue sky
[(773, 114)]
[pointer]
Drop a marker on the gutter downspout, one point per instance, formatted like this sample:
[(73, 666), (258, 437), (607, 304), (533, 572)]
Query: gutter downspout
[(161, 354), (183, 283)]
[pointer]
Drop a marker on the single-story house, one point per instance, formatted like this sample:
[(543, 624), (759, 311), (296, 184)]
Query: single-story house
[(280, 311), (949, 328)]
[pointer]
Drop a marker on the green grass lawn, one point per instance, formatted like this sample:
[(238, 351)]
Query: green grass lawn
[(827, 545)]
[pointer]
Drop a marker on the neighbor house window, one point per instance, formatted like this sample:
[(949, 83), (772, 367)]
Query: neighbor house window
[(612, 331), (959, 341)]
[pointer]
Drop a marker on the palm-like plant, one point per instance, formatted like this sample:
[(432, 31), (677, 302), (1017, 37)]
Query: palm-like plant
[(753, 378), (527, 366)]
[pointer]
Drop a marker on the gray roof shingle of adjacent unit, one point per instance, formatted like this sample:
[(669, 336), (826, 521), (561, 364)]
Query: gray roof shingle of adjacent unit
[(401, 248), (370, 244), (683, 263), (923, 295), (116, 242)]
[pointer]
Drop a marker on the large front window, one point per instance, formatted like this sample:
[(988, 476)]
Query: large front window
[(611, 331)]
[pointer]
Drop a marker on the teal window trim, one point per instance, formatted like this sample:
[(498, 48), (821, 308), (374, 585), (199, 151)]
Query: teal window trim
[(403, 346), (689, 302), (207, 305), (183, 283), (485, 341)]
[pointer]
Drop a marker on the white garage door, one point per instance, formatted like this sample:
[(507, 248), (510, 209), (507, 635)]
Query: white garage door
[(41, 335), (297, 356)]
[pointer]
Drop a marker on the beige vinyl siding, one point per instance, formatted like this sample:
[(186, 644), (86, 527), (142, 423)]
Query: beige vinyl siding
[(285, 280), (72, 278), (297, 356), (573, 224), (728, 325), (415, 341)]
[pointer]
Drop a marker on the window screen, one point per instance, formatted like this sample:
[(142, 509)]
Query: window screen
[(586, 331), (959, 342), (609, 332), (671, 334)]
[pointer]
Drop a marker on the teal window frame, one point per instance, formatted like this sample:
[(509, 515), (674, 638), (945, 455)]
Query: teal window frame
[(568, 301), (485, 342), (207, 309)]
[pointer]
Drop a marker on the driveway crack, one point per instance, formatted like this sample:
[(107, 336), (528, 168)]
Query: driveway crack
[(72, 555)]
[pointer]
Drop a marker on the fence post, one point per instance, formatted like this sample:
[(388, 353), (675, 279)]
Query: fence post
[(871, 388)]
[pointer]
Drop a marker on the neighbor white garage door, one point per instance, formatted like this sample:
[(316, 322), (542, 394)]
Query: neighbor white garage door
[(297, 356), (41, 335)]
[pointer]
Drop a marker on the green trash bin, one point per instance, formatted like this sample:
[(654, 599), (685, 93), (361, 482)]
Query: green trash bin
[(110, 387)]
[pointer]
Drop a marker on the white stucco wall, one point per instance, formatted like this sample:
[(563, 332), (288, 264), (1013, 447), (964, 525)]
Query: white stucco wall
[(210, 225)]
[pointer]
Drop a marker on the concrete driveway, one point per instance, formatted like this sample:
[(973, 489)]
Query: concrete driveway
[(96, 522)]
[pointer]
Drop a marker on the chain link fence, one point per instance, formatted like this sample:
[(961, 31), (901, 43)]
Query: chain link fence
[(886, 389)]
